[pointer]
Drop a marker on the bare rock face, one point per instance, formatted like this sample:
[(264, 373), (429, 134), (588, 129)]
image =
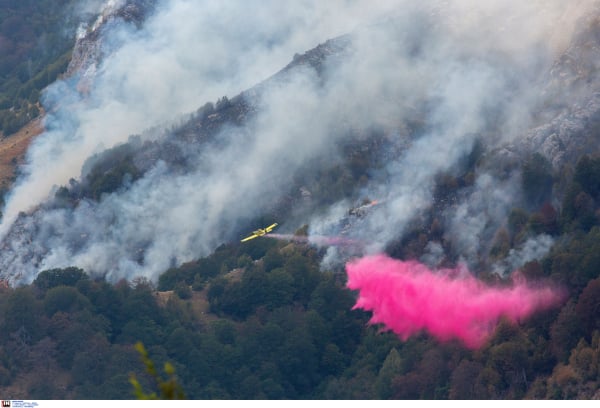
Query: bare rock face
[(572, 103), (86, 54), (89, 51)]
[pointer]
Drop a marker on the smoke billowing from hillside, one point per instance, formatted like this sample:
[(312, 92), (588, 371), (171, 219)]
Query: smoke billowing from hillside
[(457, 65)]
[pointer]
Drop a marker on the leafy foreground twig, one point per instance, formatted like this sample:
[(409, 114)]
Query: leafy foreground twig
[(169, 389)]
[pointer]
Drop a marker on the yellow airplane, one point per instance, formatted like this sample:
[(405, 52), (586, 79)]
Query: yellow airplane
[(260, 232)]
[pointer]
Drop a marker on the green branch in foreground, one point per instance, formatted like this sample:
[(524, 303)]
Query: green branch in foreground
[(169, 389)]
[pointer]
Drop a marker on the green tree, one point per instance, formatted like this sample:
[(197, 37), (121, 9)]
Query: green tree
[(206, 267), (22, 312), (64, 299), (273, 259), (225, 331), (91, 362), (71, 331), (59, 277), (279, 288), (333, 361), (392, 367), (463, 380), (588, 307), (179, 344), (587, 175), (297, 359), (585, 360), (305, 275), (183, 290), (537, 179)]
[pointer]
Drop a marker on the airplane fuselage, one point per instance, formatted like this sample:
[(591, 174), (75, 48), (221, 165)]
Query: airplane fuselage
[(260, 232)]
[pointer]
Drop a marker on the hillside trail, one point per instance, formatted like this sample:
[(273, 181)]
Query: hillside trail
[(13, 149)]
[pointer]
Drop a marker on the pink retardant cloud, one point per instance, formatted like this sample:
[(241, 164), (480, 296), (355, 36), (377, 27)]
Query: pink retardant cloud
[(408, 298)]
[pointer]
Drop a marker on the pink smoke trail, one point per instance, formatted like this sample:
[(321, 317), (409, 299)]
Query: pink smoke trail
[(407, 298), (289, 237), (318, 240)]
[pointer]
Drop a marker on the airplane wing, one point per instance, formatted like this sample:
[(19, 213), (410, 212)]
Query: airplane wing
[(260, 232), (249, 238)]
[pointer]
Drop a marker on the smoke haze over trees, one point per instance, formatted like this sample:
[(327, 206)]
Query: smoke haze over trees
[(428, 62), (449, 132)]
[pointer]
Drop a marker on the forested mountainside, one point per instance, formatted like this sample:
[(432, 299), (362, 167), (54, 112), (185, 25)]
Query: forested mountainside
[(433, 173), (36, 38)]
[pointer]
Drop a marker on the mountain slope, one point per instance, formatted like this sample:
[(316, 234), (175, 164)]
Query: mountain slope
[(13, 149), (325, 132), (459, 137)]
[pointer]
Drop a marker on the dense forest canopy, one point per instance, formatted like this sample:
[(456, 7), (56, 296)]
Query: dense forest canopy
[(261, 320)]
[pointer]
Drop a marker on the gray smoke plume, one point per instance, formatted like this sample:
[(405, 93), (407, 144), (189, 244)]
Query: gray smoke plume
[(187, 54), (451, 63), (475, 219), (479, 66), (534, 248)]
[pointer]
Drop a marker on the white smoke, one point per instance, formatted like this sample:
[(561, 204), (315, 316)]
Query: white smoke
[(456, 59), (474, 220), (186, 54), (478, 63), (535, 248), (434, 254)]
